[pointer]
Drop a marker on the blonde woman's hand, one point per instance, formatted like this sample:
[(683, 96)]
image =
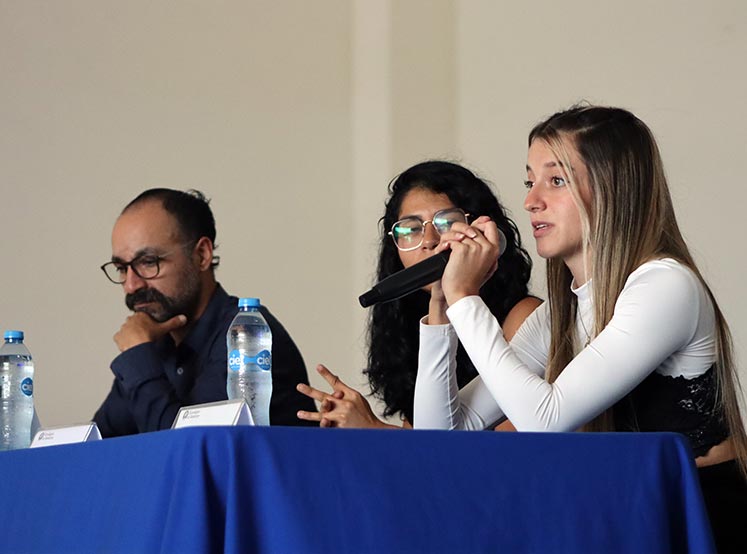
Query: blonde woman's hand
[(474, 257)]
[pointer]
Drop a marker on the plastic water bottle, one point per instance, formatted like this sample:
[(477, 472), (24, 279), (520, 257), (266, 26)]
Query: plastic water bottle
[(249, 342), (17, 392)]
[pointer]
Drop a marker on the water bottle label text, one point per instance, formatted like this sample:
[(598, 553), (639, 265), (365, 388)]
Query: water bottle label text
[(236, 360)]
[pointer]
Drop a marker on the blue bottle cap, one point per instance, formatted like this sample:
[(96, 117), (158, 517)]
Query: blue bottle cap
[(248, 302), (15, 335)]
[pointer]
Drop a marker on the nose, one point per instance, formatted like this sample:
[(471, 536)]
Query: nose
[(534, 201), (431, 238), (133, 282)]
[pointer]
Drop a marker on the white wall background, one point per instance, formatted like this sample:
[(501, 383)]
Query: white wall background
[(293, 116)]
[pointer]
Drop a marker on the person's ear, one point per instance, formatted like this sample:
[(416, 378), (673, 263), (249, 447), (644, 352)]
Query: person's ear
[(203, 253)]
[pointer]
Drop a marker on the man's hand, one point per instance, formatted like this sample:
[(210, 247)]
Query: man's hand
[(140, 328)]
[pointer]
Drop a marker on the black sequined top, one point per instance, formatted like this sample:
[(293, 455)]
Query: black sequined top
[(676, 404)]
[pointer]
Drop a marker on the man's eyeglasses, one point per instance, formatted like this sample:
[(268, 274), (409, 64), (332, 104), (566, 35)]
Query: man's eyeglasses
[(409, 233), (146, 266)]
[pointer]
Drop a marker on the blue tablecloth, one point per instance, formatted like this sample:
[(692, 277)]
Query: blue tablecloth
[(330, 491)]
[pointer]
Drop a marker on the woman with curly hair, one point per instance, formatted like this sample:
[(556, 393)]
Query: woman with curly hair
[(424, 202)]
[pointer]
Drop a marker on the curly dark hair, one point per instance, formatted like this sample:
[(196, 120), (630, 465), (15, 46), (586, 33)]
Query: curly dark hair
[(393, 331)]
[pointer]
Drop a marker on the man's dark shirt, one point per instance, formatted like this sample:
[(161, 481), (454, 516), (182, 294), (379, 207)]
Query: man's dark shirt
[(153, 380)]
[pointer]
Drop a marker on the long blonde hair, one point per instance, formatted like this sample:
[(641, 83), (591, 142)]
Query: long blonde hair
[(631, 220)]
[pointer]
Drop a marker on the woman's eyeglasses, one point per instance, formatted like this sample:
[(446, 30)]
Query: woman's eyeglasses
[(408, 233)]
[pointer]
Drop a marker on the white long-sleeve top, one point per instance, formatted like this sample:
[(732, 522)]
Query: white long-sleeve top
[(663, 321)]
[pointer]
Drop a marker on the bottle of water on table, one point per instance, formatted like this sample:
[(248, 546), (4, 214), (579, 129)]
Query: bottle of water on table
[(16, 392), (249, 343)]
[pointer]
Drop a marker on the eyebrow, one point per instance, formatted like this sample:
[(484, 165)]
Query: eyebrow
[(147, 251), (416, 216), (547, 164)]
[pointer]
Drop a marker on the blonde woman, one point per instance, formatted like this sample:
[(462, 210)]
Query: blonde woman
[(631, 337)]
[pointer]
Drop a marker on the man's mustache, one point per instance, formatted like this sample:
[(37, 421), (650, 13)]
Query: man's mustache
[(145, 295)]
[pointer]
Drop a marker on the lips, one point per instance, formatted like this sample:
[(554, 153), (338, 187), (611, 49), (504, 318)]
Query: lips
[(541, 228)]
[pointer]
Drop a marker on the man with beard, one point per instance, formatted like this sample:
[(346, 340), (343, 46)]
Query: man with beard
[(173, 346)]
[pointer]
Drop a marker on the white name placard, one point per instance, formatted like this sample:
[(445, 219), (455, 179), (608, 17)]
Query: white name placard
[(227, 412), (84, 432)]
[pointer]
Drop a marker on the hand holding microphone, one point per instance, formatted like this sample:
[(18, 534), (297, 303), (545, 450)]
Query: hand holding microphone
[(475, 250), (488, 242)]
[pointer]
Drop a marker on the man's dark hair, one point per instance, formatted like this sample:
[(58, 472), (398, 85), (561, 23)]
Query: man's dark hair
[(190, 208)]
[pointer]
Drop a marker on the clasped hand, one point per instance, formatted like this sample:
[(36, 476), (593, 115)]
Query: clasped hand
[(344, 407), (474, 257)]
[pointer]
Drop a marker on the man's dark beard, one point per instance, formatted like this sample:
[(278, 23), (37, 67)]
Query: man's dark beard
[(165, 307)]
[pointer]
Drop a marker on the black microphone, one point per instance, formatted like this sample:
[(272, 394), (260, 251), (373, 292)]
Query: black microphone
[(407, 281)]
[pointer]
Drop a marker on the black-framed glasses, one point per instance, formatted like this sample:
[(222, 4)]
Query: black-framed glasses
[(408, 233), (145, 266)]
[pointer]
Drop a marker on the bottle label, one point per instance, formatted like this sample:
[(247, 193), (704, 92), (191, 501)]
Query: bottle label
[(236, 360), (263, 360), (27, 386)]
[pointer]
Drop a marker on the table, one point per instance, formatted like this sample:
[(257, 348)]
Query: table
[(270, 490)]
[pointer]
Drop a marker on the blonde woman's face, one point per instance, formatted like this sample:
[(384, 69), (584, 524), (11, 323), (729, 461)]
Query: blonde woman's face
[(554, 215)]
